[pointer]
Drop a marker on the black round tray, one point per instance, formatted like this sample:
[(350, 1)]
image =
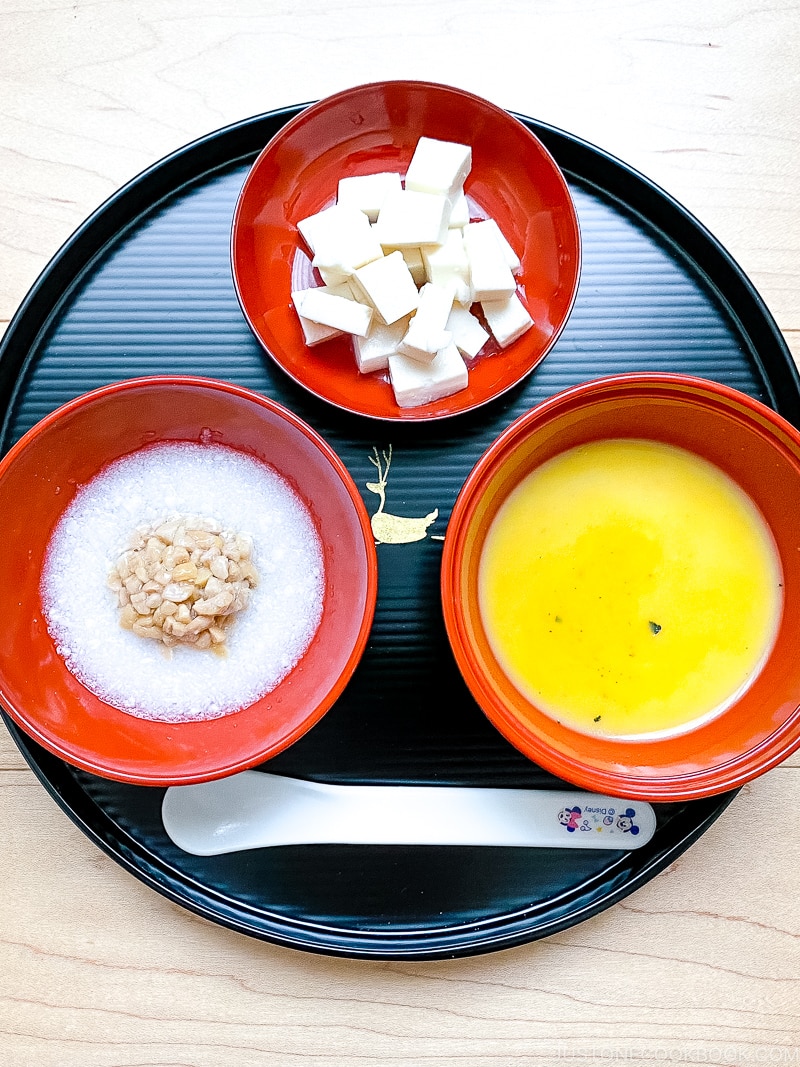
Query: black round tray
[(144, 287)]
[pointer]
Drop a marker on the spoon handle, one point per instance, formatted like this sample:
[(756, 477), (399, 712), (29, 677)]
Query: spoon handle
[(258, 810)]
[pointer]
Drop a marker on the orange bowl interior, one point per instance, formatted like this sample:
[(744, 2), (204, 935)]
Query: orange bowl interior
[(38, 479), (373, 128), (755, 447)]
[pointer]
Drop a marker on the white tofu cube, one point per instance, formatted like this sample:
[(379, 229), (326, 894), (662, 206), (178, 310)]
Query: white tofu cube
[(447, 263), (490, 274), (332, 276), (388, 286), (372, 352), (341, 240), (314, 228), (469, 336), (462, 294), (438, 166), (339, 312), (414, 262), (409, 219), (417, 383), (427, 333), (459, 216), (511, 257), (337, 261), (508, 319), (366, 192), (314, 332), (342, 289)]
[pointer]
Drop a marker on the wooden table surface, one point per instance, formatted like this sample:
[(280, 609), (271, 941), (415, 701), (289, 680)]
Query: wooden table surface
[(702, 965)]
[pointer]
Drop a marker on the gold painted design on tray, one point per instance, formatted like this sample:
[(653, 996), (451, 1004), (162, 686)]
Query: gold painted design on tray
[(394, 529)]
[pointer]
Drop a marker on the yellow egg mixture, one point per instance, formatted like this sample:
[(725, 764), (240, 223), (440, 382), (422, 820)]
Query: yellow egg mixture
[(629, 588)]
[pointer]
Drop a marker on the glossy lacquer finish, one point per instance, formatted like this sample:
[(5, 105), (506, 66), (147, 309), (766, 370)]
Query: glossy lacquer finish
[(374, 128), (145, 288), (755, 447), (39, 479)]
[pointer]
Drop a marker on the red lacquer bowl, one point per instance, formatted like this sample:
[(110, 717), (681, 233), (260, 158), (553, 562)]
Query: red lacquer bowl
[(38, 479), (372, 128), (761, 452)]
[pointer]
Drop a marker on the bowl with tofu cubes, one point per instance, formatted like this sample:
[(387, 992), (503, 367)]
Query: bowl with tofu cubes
[(406, 250)]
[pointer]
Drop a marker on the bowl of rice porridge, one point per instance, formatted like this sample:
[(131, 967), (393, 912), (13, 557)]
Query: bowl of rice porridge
[(188, 582)]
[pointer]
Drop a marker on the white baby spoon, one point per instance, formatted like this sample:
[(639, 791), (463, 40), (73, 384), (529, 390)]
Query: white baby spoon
[(257, 810)]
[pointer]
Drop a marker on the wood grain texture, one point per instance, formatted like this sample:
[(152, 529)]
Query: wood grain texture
[(702, 965)]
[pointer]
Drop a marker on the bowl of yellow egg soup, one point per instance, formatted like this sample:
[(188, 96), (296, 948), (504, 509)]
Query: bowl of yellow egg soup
[(405, 250), (187, 583), (621, 586)]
